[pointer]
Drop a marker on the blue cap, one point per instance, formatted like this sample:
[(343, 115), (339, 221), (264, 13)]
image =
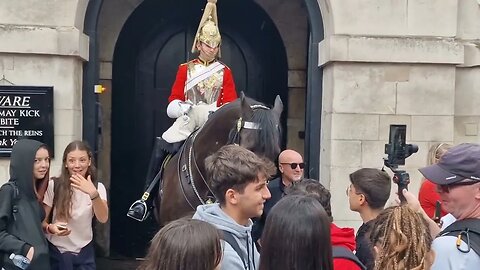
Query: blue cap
[(458, 163)]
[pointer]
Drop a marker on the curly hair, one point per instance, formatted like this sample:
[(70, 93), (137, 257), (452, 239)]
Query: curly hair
[(403, 239)]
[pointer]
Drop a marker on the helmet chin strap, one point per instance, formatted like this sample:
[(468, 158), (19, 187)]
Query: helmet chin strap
[(205, 61)]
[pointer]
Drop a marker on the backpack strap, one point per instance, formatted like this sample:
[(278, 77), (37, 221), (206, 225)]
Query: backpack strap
[(468, 230), (15, 196), (345, 253), (228, 237)]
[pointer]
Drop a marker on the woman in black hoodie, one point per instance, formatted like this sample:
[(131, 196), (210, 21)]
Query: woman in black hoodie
[(21, 212)]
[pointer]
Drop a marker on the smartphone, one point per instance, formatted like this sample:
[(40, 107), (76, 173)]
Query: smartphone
[(396, 147), (62, 227)]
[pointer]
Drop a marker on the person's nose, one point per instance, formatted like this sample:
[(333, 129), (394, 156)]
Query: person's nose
[(266, 194), (44, 163)]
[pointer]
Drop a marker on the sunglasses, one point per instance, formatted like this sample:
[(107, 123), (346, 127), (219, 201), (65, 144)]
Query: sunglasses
[(294, 165), (447, 188)]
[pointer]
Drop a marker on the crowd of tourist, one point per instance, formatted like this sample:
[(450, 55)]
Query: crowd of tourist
[(286, 223)]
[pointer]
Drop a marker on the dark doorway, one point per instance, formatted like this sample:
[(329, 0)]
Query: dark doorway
[(154, 41)]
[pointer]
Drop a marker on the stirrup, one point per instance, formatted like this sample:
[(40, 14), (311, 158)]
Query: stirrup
[(138, 210)]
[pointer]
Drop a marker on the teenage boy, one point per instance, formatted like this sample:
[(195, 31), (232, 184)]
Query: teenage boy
[(239, 182), (367, 193)]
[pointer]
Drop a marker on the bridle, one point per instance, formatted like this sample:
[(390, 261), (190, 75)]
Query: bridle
[(242, 124), (234, 138)]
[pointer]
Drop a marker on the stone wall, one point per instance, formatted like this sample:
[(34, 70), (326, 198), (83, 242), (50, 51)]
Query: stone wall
[(43, 45), (395, 62)]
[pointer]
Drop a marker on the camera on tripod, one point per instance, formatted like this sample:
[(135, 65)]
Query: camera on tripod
[(397, 151)]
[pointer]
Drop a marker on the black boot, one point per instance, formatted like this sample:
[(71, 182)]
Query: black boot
[(139, 210)]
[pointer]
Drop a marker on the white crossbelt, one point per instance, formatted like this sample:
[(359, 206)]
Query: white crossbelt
[(211, 69)]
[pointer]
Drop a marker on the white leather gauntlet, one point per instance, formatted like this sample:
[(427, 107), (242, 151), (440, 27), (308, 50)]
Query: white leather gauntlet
[(177, 108)]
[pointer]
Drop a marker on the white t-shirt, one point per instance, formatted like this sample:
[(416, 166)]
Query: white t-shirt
[(448, 257), (447, 220), (80, 223)]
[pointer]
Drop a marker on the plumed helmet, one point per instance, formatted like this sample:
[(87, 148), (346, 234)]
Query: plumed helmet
[(208, 31)]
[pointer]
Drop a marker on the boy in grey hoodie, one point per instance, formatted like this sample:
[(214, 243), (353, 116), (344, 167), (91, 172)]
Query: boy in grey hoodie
[(239, 182)]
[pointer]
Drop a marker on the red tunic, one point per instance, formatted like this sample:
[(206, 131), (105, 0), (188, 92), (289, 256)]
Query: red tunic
[(227, 94)]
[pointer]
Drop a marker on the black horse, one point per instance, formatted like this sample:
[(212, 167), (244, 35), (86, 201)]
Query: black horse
[(245, 122)]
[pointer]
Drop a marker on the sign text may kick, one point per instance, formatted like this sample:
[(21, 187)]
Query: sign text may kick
[(25, 112)]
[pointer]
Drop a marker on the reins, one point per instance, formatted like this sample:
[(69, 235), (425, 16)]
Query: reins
[(235, 138)]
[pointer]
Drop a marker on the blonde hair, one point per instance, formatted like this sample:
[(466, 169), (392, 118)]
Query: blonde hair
[(435, 152), (402, 237)]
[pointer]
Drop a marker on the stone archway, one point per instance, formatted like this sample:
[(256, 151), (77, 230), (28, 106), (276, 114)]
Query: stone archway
[(113, 16), (153, 42)]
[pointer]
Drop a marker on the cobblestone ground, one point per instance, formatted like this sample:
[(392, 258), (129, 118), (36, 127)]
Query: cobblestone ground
[(116, 264)]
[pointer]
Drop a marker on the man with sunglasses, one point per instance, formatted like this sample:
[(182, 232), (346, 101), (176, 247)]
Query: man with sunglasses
[(457, 176), (290, 165)]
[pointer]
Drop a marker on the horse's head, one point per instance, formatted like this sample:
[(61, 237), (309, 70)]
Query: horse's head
[(258, 128)]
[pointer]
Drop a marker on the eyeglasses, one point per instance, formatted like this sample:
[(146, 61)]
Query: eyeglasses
[(447, 188), (294, 165), (349, 188)]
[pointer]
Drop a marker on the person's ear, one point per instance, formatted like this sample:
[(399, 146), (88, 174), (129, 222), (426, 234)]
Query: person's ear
[(280, 168), (477, 192), (231, 196), (361, 199)]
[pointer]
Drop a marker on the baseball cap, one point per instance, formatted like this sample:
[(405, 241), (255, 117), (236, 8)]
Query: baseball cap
[(458, 163)]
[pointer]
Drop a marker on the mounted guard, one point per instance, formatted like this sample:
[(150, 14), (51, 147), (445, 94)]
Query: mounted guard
[(201, 86)]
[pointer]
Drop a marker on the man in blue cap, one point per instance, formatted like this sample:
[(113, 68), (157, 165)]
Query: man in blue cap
[(457, 176)]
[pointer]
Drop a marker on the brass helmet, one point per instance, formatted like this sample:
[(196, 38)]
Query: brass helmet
[(208, 31)]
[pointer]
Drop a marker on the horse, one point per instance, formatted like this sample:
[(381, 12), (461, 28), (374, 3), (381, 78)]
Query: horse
[(245, 122)]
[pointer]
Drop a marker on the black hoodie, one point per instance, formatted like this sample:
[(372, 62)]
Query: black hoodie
[(23, 229)]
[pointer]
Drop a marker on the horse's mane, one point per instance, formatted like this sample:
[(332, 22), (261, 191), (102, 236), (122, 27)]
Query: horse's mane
[(267, 138)]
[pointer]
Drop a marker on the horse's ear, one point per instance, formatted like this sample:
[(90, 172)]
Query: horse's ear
[(278, 106), (247, 111)]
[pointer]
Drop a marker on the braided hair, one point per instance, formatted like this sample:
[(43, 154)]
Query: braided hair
[(403, 240)]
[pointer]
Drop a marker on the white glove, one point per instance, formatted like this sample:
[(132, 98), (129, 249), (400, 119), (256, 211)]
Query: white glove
[(177, 108)]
